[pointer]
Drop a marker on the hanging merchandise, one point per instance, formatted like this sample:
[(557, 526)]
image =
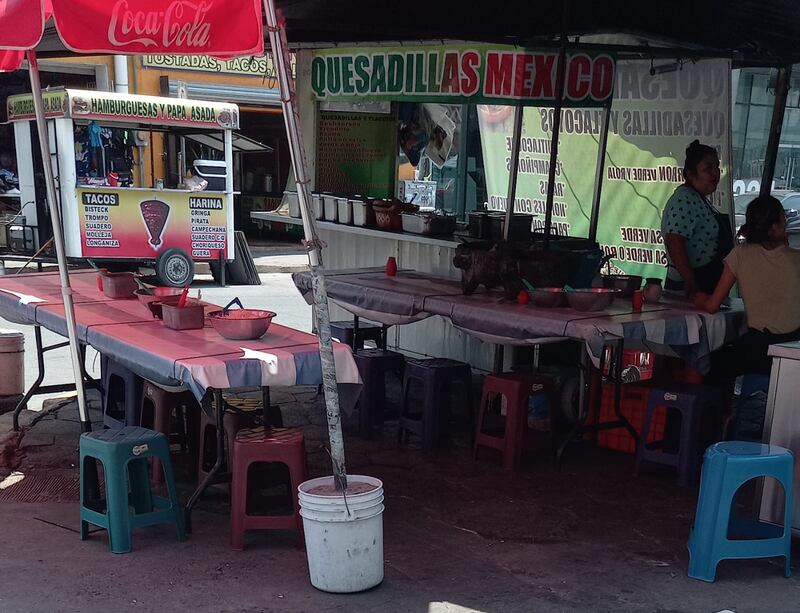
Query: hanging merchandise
[(440, 133), (98, 158), (82, 156), (413, 134)]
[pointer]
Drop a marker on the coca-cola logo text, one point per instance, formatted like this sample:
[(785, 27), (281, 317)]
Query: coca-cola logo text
[(181, 24)]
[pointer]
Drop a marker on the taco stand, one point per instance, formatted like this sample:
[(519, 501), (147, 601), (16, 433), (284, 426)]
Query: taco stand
[(111, 216)]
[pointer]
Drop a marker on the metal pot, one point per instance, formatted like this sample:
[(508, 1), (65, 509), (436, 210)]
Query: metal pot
[(479, 224), (520, 229), (241, 324)]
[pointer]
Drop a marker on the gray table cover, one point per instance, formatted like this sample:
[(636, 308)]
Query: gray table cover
[(670, 327)]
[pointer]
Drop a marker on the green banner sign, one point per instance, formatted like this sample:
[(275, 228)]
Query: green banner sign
[(653, 120), (253, 66), (20, 106), (479, 73)]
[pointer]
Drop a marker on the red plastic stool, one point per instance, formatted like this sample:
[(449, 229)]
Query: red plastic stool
[(516, 388), (158, 407), (207, 448), (251, 445)]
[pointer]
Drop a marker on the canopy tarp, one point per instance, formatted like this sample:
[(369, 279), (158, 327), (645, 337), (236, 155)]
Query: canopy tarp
[(227, 28), (748, 31), (766, 32)]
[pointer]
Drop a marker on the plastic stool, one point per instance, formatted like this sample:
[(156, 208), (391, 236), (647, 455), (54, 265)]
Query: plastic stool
[(373, 364), (689, 400), (158, 407), (123, 453), (751, 384), (516, 388), (344, 332), (253, 445), (122, 394), (436, 376), (726, 467), (207, 448)]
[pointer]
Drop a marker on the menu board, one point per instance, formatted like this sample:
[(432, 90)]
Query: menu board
[(125, 223), (356, 153)]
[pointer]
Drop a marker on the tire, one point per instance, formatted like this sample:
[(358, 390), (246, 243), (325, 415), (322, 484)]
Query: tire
[(174, 268)]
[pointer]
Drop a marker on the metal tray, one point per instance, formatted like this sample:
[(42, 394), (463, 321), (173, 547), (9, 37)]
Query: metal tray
[(428, 224)]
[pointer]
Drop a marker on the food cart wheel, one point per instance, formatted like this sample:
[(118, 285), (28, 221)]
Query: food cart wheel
[(175, 268)]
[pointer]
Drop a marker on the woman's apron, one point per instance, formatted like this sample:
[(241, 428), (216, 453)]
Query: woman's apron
[(707, 276)]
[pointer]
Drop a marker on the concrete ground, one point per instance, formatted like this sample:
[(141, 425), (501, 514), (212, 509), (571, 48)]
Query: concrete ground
[(459, 535)]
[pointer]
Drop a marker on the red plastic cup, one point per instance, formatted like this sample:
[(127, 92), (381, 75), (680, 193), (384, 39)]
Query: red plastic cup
[(100, 279), (391, 267), (637, 300)]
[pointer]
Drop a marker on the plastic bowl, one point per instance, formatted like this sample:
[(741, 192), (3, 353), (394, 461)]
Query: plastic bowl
[(548, 297), (241, 324), (591, 298), (626, 284), (157, 293)]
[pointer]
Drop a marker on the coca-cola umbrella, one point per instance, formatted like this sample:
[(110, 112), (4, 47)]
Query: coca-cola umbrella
[(214, 27)]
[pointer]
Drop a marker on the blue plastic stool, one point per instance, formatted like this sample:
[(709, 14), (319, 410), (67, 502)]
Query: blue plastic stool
[(123, 454), (122, 394), (689, 400), (753, 383), (726, 467)]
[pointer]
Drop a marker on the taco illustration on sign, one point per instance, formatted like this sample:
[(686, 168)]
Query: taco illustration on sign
[(155, 214)]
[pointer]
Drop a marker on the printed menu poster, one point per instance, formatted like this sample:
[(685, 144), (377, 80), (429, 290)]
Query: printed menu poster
[(652, 121), (124, 223), (356, 153)]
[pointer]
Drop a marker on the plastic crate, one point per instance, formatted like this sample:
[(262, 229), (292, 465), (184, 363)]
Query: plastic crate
[(633, 406)]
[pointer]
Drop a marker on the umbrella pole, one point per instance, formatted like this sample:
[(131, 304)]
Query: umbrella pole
[(512, 177), (280, 53), (58, 236), (598, 176), (556, 127)]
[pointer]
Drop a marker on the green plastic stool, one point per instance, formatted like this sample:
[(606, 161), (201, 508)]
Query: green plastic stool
[(123, 454)]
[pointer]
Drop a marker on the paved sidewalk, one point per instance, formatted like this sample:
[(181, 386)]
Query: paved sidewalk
[(459, 536)]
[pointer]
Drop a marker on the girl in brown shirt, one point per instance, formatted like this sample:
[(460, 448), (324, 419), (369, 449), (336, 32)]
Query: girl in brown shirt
[(768, 273)]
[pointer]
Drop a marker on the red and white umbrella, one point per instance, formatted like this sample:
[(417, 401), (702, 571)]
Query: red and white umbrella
[(202, 27), (199, 27)]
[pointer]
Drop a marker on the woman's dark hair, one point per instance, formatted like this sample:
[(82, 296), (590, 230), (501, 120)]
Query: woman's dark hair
[(762, 213), (695, 153)]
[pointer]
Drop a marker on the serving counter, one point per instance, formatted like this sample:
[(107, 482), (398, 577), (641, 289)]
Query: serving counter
[(354, 247), (782, 425)]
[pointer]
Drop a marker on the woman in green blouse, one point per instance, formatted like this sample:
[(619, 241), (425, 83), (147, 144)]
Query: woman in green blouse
[(696, 236)]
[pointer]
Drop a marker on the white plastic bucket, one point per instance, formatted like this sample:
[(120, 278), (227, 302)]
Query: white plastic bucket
[(344, 543), (12, 363)]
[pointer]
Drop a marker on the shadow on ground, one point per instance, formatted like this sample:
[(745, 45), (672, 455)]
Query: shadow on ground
[(460, 535)]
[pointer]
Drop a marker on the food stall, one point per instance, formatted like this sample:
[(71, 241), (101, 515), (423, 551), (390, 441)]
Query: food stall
[(350, 157), (111, 216)]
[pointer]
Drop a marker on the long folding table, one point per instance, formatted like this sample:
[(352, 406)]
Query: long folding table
[(200, 360), (670, 327)]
